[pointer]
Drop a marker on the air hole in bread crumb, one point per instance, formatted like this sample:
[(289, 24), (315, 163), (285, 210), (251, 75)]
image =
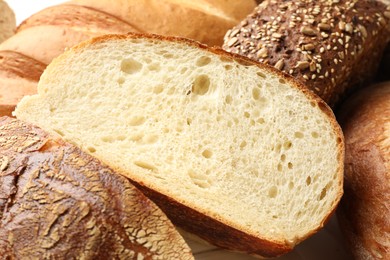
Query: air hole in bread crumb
[(243, 144), (291, 185), (283, 157), (189, 121), (201, 180), (228, 99), (130, 66), (201, 85), (308, 180), (137, 120), (313, 104), (207, 154), (273, 192), (247, 115), (290, 165), (158, 89), (315, 134), (287, 145), (91, 149), (282, 81), (146, 166), (256, 93), (260, 74), (280, 167), (339, 140), (323, 193), (59, 132), (228, 67), (154, 67), (121, 80), (298, 134), (107, 139), (203, 61), (261, 120)]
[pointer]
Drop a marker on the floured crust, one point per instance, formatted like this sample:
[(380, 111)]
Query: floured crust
[(7, 21), (365, 208), (60, 203)]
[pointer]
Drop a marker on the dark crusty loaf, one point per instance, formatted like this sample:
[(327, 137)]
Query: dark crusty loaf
[(57, 202), (329, 45), (19, 75), (364, 212)]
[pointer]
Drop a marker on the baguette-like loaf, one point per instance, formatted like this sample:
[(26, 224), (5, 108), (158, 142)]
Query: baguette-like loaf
[(203, 20), (233, 151), (7, 21), (58, 202), (46, 34), (364, 212), (330, 46), (19, 75)]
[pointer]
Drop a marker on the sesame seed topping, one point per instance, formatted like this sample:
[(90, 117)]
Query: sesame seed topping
[(363, 30), (302, 65), (309, 47), (308, 31), (312, 66), (280, 64), (262, 53), (232, 41), (305, 77), (324, 26), (322, 50)]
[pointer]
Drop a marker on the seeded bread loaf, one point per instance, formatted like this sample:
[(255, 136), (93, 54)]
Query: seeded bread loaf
[(329, 45), (365, 208), (233, 151), (203, 20), (58, 202), (7, 21), (19, 75)]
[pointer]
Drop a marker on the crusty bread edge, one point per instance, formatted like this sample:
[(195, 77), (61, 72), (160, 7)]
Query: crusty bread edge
[(212, 230)]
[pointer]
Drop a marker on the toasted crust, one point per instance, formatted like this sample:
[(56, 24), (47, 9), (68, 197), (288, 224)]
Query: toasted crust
[(209, 228), (60, 203), (365, 208)]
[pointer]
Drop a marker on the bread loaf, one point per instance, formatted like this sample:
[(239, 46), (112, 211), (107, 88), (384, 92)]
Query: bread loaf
[(203, 20), (330, 46), (58, 202), (365, 208), (48, 33), (7, 21), (233, 151), (19, 75)]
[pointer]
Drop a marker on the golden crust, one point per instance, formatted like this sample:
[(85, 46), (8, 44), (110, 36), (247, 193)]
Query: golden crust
[(365, 208)]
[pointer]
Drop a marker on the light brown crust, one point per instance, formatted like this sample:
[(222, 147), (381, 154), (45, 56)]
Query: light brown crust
[(81, 17), (365, 208), (7, 21), (177, 18), (323, 44), (208, 228), (58, 202), (19, 75)]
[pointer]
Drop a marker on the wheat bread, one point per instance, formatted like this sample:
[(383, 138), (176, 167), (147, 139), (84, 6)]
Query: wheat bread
[(330, 46), (365, 208), (231, 150), (58, 202)]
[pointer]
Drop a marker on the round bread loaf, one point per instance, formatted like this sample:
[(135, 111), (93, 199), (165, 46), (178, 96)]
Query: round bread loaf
[(57, 202), (364, 212)]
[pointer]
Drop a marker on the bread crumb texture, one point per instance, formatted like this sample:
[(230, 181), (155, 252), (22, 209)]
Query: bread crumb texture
[(232, 140), (60, 203)]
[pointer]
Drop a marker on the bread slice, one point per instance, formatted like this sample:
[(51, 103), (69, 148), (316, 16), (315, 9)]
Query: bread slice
[(58, 202), (231, 150)]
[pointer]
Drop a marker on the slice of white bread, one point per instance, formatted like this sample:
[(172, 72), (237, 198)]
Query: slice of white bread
[(233, 151)]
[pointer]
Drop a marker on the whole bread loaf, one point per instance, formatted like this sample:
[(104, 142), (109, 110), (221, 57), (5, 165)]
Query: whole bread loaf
[(203, 20), (7, 21), (364, 212), (58, 202), (330, 46), (233, 151)]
